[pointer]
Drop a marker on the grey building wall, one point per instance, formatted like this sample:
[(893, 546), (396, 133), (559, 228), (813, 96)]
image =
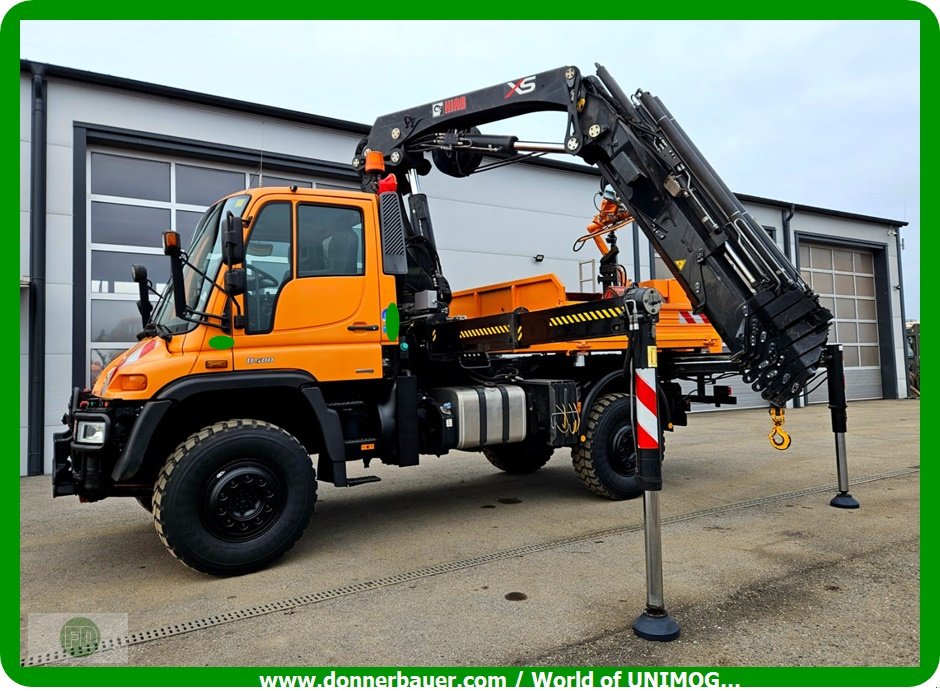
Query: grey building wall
[(489, 227), (25, 190)]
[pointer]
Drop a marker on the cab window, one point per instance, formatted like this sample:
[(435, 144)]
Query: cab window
[(329, 241), (267, 264)]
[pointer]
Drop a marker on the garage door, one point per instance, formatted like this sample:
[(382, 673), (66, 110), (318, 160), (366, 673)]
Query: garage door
[(845, 280)]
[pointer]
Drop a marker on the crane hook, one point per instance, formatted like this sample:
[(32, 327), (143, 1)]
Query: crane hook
[(779, 439)]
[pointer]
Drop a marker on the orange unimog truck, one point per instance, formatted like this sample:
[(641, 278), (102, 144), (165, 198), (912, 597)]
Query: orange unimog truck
[(319, 323)]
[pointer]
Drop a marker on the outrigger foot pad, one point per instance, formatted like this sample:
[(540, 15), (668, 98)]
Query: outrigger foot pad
[(844, 500), (656, 626)]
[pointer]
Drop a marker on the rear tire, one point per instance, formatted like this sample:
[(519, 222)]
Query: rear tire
[(234, 497), (606, 460), (520, 458)]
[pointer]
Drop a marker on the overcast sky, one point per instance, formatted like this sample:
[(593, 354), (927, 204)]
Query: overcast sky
[(819, 113)]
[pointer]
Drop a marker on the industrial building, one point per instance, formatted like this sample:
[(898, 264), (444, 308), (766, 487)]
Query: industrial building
[(108, 163)]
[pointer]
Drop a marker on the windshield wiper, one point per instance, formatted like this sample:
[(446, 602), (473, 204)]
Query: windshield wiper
[(154, 329)]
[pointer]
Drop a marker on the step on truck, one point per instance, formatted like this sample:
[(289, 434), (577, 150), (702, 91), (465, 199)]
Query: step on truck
[(312, 324)]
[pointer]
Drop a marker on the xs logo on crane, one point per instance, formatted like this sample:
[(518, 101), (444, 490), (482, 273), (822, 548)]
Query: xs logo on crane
[(526, 85)]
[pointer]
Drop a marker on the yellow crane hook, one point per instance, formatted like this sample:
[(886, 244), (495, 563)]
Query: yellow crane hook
[(779, 439)]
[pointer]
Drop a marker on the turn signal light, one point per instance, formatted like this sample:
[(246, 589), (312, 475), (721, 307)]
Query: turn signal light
[(375, 162), (133, 382), (171, 242)]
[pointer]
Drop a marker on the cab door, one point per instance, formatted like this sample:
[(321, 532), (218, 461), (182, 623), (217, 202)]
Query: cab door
[(311, 300)]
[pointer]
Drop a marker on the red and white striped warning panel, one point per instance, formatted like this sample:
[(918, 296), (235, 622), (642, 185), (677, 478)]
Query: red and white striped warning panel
[(647, 425), (686, 317), (140, 352)]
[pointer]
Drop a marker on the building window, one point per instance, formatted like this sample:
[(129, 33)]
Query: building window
[(204, 186), (134, 178)]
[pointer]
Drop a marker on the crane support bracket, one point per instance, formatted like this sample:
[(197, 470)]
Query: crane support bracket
[(521, 329)]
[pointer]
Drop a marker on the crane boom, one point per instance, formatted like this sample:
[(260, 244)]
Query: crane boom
[(730, 269)]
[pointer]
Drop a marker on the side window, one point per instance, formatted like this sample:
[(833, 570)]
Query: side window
[(329, 241), (268, 264)]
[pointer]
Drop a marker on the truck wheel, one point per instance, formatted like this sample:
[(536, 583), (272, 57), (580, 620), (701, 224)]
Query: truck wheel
[(234, 496), (518, 459), (606, 458)]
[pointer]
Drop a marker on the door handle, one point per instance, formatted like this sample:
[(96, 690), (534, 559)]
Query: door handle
[(363, 327)]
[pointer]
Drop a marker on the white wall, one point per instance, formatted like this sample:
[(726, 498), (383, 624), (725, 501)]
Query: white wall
[(490, 227)]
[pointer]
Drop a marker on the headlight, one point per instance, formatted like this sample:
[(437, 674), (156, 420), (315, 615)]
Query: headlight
[(90, 432)]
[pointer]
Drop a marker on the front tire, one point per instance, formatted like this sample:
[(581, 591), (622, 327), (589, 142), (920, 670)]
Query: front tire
[(520, 458), (234, 497), (606, 460)]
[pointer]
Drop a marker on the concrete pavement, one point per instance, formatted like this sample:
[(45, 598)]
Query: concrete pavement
[(455, 563)]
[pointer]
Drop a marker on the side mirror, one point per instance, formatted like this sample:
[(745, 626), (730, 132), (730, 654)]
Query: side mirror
[(233, 241), (139, 274), (171, 248), (235, 282)]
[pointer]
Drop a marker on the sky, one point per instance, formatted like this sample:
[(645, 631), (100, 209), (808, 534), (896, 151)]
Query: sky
[(823, 113)]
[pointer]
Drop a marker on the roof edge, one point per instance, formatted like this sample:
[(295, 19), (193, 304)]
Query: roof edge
[(806, 208), (149, 88)]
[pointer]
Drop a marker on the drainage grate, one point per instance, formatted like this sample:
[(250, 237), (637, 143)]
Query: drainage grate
[(356, 588)]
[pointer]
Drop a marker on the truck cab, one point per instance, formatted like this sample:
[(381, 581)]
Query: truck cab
[(313, 298)]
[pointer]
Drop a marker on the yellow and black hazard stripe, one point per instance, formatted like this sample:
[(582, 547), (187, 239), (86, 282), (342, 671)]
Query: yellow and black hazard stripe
[(587, 316), (485, 331)]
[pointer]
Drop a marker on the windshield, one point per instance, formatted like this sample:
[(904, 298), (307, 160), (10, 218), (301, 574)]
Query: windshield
[(206, 255)]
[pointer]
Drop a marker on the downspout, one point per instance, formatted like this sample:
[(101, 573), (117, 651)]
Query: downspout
[(636, 252), (37, 277), (897, 242), (787, 214)]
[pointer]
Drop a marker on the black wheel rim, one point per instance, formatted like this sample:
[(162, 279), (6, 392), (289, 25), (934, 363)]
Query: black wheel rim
[(242, 500), (623, 451)]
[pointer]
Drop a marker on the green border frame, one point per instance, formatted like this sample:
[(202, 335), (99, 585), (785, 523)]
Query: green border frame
[(248, 676)]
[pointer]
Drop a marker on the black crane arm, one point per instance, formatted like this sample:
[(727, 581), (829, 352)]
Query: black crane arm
[(723, 259), (402, 136)]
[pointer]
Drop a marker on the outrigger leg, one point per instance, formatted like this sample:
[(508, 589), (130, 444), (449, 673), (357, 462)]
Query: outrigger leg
[(835, 371), (655, 623)]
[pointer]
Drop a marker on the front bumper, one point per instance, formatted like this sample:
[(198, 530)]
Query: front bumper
[(80, 469), (84, 469), (63, 482)]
